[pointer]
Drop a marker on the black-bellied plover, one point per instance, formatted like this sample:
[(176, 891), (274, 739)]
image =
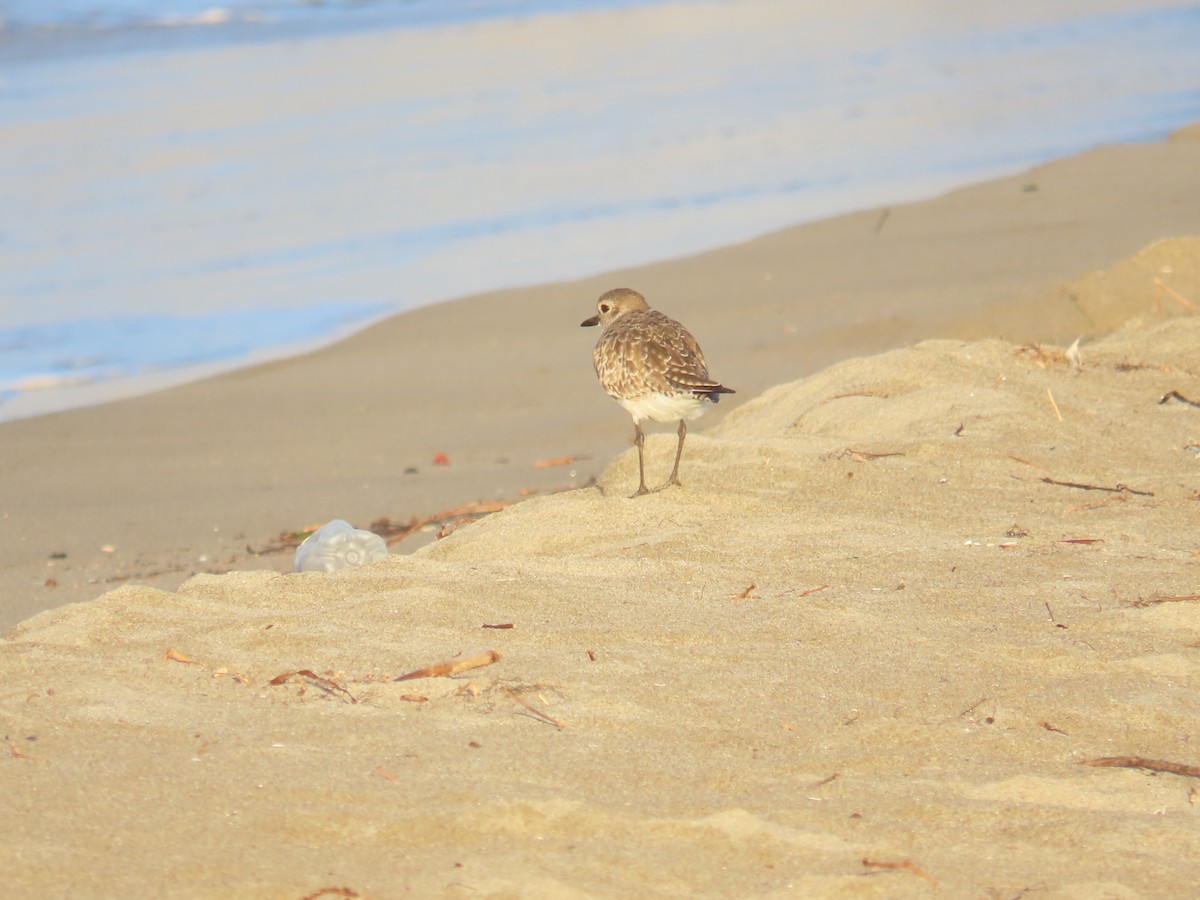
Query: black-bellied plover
[(653, 367)]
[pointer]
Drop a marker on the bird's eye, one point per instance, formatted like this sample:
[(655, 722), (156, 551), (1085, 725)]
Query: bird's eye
[(603, 307)]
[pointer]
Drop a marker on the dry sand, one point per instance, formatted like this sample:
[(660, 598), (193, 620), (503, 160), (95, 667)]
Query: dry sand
[(862, 652)]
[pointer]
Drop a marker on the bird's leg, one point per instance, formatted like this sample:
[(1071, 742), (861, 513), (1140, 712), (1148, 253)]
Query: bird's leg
[(674, 479), (640, 440)]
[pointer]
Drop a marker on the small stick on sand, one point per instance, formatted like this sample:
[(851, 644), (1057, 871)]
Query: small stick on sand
[(1117, 489), (325, 684), (558, 461), (867, 455), (864, 393), (813, 590), (1160, 288), (1026, 462), (1142, 603), (906, 864), (1175, 395), (343, 892), (1141, 762), (974, 706), (454, 666), (1053, 404), (541, 716), (464, 510)]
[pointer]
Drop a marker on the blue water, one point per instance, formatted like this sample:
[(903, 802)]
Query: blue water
[(185, 183), (81, 351), (31, 29)]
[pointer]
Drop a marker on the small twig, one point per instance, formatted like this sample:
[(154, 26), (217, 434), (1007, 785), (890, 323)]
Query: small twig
[(1118, 489), (1041, 355), (1050, 727), (867, 455), (1057, 624), (454, 666), (863, 393), (344, 892), (813, 590), (1141, 762), (1175, 395), (743, 595), (826, 780), (1142, 603), (906, 864), (512, 695), (325, 684), (1161, 287), (503, 625), (448, 528), (1026, 462), (883, 217), (1053, 404), (558, 461), (973, 707), (463, 510), (859, 455)]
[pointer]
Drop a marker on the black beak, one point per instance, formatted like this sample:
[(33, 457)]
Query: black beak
[(588, 323)]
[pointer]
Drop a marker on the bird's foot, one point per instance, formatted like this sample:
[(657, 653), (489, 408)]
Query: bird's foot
[(672, 481)]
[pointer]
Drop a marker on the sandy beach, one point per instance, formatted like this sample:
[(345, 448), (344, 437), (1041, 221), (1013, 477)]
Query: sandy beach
[(924, 565), (195, 478)]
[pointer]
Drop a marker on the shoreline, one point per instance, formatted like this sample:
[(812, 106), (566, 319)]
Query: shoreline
[(178, 198), (178, 481), (31, 402)]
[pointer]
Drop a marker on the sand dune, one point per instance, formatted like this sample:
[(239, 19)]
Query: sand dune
[(862, 653)]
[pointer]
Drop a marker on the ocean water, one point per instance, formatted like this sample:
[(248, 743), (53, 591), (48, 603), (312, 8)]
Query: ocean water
[(47, 28), (189, 186)]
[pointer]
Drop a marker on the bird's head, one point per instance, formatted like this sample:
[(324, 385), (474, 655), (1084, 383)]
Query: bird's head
[(614, 304)]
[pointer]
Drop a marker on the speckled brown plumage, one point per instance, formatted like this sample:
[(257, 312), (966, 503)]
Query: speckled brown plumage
[(652, 366)]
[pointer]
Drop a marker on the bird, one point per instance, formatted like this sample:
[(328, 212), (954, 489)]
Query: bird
[(653, 367)]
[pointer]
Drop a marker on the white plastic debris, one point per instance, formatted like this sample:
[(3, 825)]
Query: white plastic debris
[(338, 544)]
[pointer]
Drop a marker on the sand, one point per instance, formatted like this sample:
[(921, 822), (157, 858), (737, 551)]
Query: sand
[(862, 653), (902, 595)]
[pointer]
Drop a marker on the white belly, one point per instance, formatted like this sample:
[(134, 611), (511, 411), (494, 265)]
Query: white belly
[(662, 407)]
